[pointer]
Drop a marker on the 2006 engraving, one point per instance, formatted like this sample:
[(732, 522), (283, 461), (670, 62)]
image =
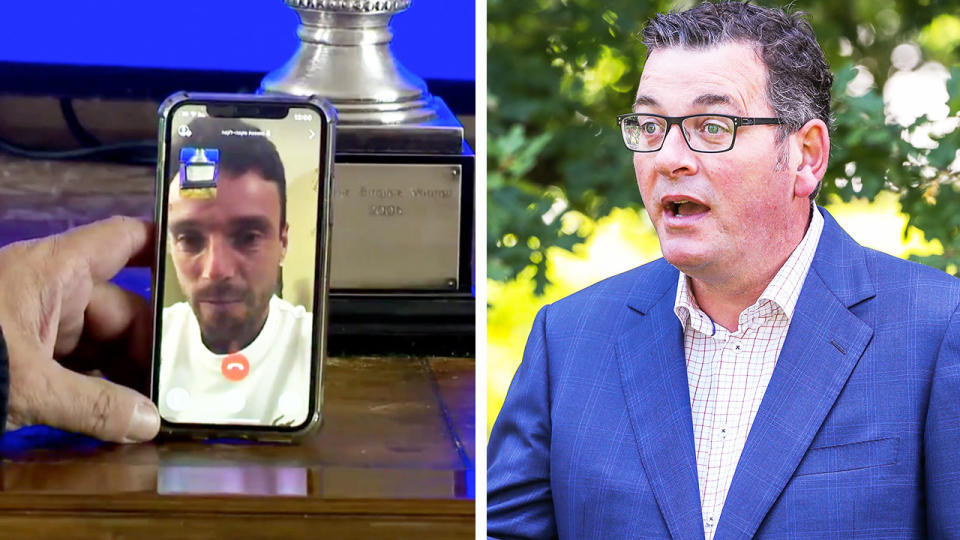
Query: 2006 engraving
[(385, 210)]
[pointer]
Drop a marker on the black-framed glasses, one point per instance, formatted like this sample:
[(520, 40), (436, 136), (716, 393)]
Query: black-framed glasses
[(708, 133)]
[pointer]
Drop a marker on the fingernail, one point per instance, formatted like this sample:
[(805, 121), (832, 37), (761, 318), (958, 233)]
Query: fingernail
[(144, 423)]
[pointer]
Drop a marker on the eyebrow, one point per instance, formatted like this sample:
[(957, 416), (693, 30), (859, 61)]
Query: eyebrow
[(713, 99), (183, 225), (257, 223), (644, 100)]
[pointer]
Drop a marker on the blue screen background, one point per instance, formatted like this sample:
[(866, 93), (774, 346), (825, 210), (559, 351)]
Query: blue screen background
[(434, 38)]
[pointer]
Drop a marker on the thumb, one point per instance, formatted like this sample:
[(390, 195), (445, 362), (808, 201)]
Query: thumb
[(95, 407)]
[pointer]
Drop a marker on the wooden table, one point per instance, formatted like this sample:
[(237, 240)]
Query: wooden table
[(394, 458)]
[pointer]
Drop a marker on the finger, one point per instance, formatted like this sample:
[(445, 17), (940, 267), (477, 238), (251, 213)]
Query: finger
[(147, 255), (111, 360), (110, 313), (113, 312), (95, 407), (134, 327), (118, 314), (116, 338), (107, 246)]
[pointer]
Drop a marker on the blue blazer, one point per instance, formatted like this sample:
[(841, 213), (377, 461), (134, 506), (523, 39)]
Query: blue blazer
[(858, 434)]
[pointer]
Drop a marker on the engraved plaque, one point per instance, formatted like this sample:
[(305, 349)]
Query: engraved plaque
[(396, 226)]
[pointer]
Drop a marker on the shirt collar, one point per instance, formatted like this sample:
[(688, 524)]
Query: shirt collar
[(782, 292)]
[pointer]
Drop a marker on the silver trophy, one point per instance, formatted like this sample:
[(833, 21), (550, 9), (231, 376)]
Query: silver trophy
[(403, 187), (345, 56)]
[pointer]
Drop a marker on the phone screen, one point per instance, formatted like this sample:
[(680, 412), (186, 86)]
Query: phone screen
[(240, 284)]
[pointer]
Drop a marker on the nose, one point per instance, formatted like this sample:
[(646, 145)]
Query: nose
[(218, 259), (675, 158)]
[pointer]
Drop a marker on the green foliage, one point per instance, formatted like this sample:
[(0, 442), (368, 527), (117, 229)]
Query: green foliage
[(559, 71)]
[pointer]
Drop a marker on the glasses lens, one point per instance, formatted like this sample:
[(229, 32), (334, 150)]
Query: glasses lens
[(709, 133), (643, 133)]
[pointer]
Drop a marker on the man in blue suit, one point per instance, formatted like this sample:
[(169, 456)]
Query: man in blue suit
[(769, 377)]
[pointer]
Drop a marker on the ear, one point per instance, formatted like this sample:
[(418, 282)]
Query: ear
[(813, 142), (284, 233)]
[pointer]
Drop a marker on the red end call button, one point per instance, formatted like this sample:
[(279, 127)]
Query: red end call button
[(235, 367)]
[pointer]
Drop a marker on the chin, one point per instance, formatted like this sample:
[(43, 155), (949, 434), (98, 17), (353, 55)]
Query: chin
[(220, 329), (221, 320), (685, 259)]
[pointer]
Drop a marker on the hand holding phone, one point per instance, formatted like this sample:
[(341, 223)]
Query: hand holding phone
[(59, 316), (241, 290)]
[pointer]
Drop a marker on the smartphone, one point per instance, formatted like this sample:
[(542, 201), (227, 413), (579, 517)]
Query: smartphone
[(243, 243)]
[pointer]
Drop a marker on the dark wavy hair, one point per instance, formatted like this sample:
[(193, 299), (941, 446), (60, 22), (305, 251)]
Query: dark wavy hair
[(798, 78)]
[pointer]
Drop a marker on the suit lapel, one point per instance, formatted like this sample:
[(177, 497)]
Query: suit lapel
[(654, 378), (823, 345)]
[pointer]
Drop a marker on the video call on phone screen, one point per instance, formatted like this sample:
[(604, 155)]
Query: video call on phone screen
[(238, 285)]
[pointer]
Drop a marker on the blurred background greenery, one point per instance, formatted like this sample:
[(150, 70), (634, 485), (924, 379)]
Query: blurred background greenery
[(563, 209)]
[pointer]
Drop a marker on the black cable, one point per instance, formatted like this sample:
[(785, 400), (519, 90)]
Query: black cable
[(137, 152), (130, 152), (79, 132)]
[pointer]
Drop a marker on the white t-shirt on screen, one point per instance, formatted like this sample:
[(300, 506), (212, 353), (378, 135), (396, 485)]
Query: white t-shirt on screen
[(268, 383)]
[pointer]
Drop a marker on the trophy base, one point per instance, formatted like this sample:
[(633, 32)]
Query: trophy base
[(418, 325), (440, 135), (401, 270)]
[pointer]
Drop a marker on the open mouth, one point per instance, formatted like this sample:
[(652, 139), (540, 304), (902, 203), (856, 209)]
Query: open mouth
[(680, 207)]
